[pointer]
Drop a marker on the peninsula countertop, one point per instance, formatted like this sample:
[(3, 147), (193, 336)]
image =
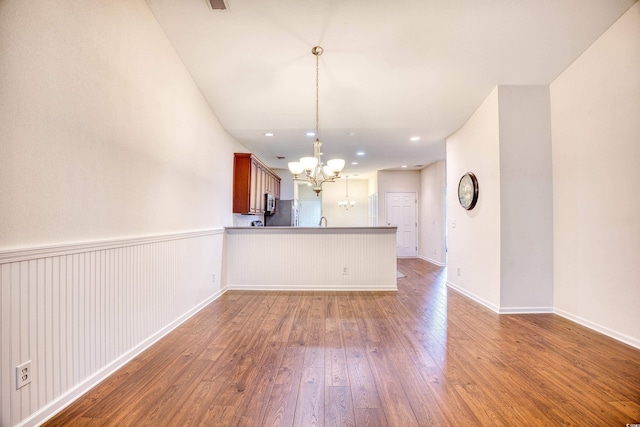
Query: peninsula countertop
[(311, 258), (345, 229)]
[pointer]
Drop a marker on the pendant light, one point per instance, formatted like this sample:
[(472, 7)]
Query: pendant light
[(346, 203), (315, 171)]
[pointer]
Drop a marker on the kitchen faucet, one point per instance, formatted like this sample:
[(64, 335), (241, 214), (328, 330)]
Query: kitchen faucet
[(325, 221)]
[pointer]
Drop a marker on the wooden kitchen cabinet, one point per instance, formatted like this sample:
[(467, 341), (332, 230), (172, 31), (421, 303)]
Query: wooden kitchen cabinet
[(252, 179)]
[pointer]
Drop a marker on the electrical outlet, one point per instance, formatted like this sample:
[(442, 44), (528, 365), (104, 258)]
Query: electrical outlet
[(213, 278), (23, 374), (458, 271), (345, 270)]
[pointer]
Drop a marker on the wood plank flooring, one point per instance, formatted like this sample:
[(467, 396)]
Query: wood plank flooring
[(424, 355)]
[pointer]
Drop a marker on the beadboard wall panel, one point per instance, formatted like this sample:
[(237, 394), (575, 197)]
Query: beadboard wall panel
[(78, 312), (305, 259)]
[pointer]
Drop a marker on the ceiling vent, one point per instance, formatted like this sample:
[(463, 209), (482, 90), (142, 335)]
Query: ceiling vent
[(217, 4)]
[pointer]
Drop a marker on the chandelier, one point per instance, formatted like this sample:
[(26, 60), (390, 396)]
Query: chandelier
[(315, 171), (346, 203)]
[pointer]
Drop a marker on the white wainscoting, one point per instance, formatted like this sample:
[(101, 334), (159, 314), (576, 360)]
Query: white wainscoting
[(306, 259), (78, 312)]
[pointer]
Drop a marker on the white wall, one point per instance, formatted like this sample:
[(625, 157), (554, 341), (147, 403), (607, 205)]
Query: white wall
[(286, 184), (501, 252), (432, 223), (595, 106), (357, 216), (474, 236), (373, 183), (526, 199), (104, 135)]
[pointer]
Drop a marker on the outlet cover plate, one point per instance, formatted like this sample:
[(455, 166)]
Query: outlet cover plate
[(23, 374)]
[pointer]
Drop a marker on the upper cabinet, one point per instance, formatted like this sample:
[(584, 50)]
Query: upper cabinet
[(252, 179)]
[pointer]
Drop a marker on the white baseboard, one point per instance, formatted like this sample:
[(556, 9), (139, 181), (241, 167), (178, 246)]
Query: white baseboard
[(432, 261), (476, 298), (634, 342), (542, 310), (68, 398), (525, 310), (495, 308), (304, 287)]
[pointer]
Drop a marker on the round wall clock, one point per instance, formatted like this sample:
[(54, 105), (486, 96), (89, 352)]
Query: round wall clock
[(468, 191)]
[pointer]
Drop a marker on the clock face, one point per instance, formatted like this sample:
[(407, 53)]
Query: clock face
[(468, 191)]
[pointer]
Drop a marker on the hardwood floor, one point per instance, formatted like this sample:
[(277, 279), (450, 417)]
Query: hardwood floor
[(424, 355)]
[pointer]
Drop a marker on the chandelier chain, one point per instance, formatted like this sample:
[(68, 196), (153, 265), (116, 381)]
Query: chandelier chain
[(315, 171), (317, 54)]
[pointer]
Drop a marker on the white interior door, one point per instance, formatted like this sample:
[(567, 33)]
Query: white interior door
[(401, 213)]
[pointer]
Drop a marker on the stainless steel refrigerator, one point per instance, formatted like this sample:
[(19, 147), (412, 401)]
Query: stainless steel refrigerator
[(286, 215)]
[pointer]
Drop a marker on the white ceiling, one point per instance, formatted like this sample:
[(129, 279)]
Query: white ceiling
[(390, 70)]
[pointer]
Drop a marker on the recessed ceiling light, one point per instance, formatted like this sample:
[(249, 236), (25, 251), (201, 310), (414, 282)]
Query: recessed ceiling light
[(354, 163), (360, 153), (269, 134), (311, 134), (351, 134), (403, 166), (415, 138)]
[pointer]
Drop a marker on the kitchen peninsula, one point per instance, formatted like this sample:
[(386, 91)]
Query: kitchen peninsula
[(311, 258)]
